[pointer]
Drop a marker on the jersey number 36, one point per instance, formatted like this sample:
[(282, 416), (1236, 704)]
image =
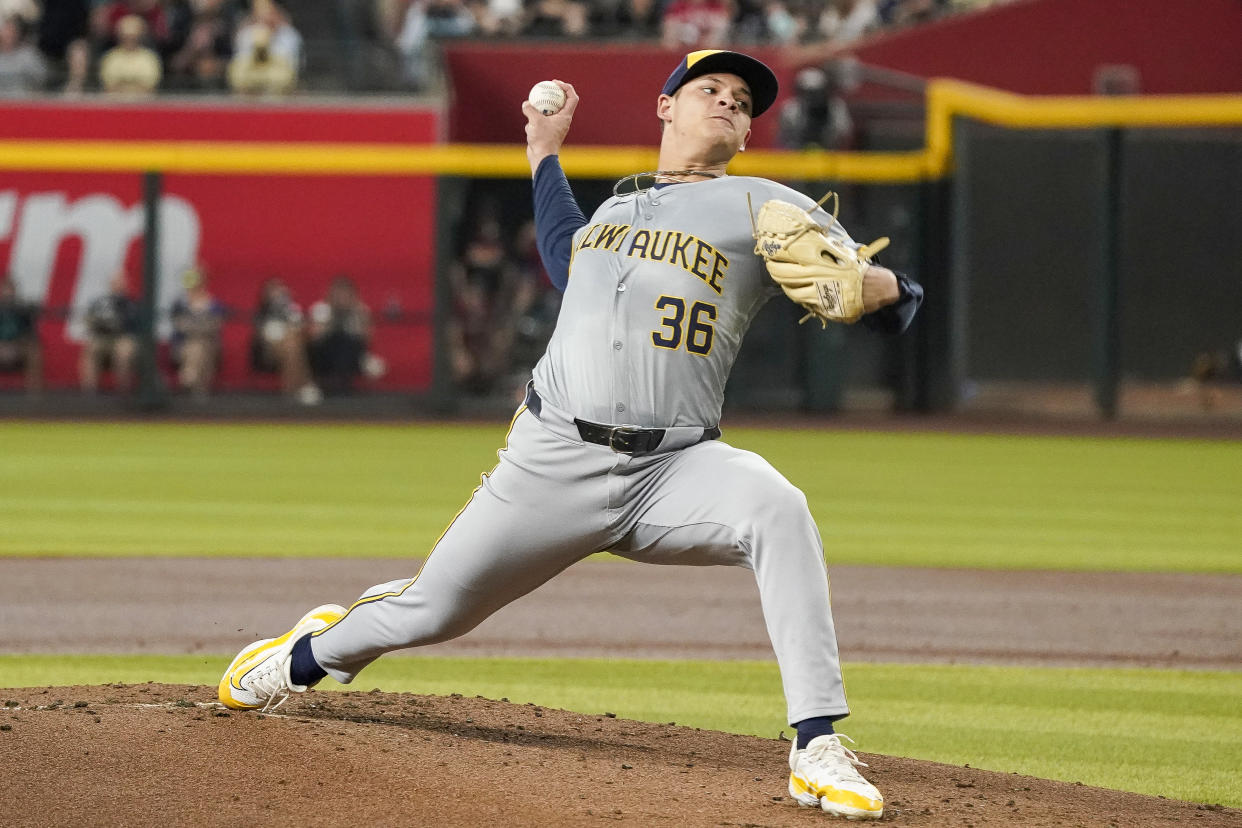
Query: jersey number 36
[(695, 329)]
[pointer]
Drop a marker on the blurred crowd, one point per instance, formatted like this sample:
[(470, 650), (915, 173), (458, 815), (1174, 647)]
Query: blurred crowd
[(504, 307), (326, 350), (135, 48), (263, 47), (503, 311)]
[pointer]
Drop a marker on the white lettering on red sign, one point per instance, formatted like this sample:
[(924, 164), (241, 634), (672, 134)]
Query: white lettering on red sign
[(39, 223)]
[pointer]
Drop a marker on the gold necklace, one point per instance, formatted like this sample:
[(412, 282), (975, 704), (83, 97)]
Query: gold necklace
[(636, 178)]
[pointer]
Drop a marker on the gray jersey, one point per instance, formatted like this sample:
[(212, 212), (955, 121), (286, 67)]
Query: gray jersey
[(663, 285)]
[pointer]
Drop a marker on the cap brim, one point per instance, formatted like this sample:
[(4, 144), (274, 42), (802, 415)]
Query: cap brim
[(756, 74)]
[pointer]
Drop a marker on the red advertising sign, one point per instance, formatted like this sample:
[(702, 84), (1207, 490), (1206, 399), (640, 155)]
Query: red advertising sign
[(64, 235)]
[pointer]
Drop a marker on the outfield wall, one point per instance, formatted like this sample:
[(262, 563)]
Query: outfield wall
[(1030, 222), (1006, 216), (64, 234)]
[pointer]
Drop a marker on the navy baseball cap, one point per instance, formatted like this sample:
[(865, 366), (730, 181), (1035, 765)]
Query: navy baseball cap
[(758, 76)]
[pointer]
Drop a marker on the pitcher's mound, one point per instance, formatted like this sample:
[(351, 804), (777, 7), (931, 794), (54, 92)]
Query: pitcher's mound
[(169, 755)]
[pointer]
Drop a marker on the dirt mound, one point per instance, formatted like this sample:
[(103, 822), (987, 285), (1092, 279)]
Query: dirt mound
[(160, 754)]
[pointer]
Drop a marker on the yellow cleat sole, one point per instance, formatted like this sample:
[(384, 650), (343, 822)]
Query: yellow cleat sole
[(834, 801)]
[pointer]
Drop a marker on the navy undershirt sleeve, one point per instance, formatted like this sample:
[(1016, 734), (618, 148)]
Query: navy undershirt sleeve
[(895, 318), (557, 218)]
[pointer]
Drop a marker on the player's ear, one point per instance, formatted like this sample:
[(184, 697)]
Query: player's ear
[(664, 105)]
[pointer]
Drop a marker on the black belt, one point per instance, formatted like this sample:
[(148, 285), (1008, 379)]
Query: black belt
[(622, 439)]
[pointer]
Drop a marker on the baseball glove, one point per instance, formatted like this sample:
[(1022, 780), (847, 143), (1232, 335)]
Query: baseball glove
[(820, 272)]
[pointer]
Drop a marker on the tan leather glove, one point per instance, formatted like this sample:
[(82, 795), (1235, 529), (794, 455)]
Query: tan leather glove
[(821, 273)]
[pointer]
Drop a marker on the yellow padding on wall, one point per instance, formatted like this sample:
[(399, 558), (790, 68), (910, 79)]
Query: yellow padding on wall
[(946, 99)]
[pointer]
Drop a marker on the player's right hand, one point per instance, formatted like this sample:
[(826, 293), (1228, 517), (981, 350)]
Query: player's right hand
[(546, 133)]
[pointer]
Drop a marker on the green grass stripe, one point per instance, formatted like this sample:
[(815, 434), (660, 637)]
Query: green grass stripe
[(1160, 732), (911, 499)]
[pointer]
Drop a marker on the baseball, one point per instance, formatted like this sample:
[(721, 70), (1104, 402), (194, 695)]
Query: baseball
[(547, 97)]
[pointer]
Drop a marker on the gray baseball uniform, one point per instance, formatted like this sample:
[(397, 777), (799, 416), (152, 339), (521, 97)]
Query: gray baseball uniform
[(663, 285)]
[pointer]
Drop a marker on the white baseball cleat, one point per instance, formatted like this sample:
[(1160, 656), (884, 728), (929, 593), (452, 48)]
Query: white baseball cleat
[(824, 775), (259, 676)]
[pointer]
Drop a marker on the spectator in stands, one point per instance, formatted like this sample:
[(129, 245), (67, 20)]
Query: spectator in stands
[(278, 342), (422, 22), (111, 337), (268, 21), (469, 338), (27, 11), (20, 347), (447, 18), (425, 21), (409, 38), (499, 18), (535, 306), (196, 320), (129, 68), (361, 30), (632, 19), (481, 328), (260, 71), (748, 23), (843, 21), (816, 116), (201, 62), (340, 339), (77, 68), (180, 14), (107, 17), (782, 24), (696, 24), (63, 23), (22, 69), (555, 18)]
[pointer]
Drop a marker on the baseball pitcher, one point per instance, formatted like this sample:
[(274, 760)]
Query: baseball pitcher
[(617, 446)]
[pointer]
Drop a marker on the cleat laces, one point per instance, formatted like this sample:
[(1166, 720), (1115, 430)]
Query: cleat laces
[(270, 685), (841, 762)]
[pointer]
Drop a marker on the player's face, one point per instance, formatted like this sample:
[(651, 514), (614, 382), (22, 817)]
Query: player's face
[(713, 110)]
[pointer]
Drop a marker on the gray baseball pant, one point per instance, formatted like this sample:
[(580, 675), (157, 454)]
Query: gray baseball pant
[(553, 500)]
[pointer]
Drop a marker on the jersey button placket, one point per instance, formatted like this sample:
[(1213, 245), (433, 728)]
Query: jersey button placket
[(620, 332), (617, 344)]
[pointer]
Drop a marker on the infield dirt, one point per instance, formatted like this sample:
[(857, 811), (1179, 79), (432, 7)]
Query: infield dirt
[(169, 755)]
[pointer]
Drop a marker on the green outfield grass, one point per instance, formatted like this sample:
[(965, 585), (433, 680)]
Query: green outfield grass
[(1162, 732), (366, 490)]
